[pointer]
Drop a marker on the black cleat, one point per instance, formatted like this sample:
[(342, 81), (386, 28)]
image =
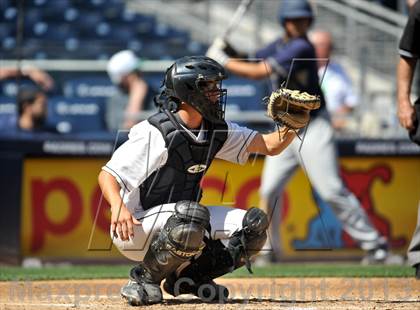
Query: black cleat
[(140, 290), (207, 291)]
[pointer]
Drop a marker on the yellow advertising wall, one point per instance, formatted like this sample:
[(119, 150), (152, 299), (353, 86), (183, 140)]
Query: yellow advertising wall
[(64, 217)]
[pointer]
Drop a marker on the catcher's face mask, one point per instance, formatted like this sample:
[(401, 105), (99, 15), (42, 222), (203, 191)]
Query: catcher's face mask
[(210, 99), (197, 81)]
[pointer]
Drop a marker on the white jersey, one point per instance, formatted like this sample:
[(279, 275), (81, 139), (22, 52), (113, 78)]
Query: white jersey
[(145, 151)]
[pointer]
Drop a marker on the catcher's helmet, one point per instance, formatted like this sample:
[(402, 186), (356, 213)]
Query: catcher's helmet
[(291, 9), (187, 81)]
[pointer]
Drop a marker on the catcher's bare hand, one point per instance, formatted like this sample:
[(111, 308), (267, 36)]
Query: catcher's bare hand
[(122, 222), (291, 108)]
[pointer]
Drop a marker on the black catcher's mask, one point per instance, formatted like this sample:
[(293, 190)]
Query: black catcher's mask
[(196, 80)]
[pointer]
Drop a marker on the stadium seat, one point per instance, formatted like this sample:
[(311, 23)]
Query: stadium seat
[(87, 22), (166, 32), (113, 31), (4, 4), (8, 46), (48, 4), (6, 30), (51, 31), (89, 87), (72, 115), (10, 14), (244, 94)]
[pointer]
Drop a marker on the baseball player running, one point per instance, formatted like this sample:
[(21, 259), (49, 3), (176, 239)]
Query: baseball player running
[(152, 184)]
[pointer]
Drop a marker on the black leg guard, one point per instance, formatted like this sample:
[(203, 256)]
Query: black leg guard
[(217, 260), (180, 239), (247, 242)]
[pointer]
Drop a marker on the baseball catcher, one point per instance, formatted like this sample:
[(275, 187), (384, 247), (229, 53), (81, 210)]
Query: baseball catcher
[(152, 183)]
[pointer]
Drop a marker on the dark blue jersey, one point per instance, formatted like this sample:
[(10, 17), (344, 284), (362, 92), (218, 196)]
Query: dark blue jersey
[(293, 63)]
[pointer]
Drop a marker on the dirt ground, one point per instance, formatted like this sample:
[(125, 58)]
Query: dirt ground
[(250, 293)]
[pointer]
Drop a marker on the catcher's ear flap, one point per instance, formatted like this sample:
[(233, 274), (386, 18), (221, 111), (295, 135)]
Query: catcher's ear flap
[(165, 102)]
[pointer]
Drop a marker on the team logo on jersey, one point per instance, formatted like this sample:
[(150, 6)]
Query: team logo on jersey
[(197, 168)]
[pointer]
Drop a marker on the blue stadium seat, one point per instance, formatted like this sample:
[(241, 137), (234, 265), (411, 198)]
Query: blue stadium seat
[(70, 115), (112, 11), (32, 16), (89, 87), (113, 31), (170, 48), (48, 4), (129, 16), (7, 30), (50, 15), (154, 49), (167, 32), (9, 14), (42, 48), (244, 94), (145, 26), (8, 44), (87, 22), (51, 31), (4, 4), (90, 49), (101, 5)]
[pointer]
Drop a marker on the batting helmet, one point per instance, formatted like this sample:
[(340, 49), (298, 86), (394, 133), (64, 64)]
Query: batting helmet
[(186, 81), (291, 9)]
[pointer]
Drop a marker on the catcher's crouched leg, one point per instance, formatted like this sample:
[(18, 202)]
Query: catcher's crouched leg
[(180, 239), (217, 260)]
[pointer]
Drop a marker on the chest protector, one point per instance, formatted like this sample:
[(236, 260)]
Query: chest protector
[(188, 161)]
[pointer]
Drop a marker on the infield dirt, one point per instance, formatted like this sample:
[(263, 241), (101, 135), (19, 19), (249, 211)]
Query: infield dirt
[(248, 293)]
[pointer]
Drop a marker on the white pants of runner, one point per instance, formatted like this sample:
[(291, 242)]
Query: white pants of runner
[(224, 222), (318, 158)]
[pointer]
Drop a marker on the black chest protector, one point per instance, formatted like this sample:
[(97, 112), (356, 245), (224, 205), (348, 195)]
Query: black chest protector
[(188, 160)]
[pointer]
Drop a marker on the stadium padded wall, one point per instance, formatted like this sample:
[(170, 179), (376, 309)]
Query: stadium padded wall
[(10, 206)]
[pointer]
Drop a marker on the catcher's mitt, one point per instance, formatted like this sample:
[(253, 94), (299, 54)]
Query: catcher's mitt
[(290, 108)]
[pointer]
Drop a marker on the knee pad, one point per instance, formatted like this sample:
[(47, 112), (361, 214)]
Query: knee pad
[(186, 228), (247, 242), (181, 239), (255, 222), (217, 260)]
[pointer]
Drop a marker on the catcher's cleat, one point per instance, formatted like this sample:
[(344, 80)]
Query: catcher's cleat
[(207, 291), (141, 289)]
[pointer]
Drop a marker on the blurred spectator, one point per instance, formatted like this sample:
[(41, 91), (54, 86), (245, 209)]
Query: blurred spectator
[(336, 85), (122, 113), (409, 54), (41, 78), (32, 110)]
